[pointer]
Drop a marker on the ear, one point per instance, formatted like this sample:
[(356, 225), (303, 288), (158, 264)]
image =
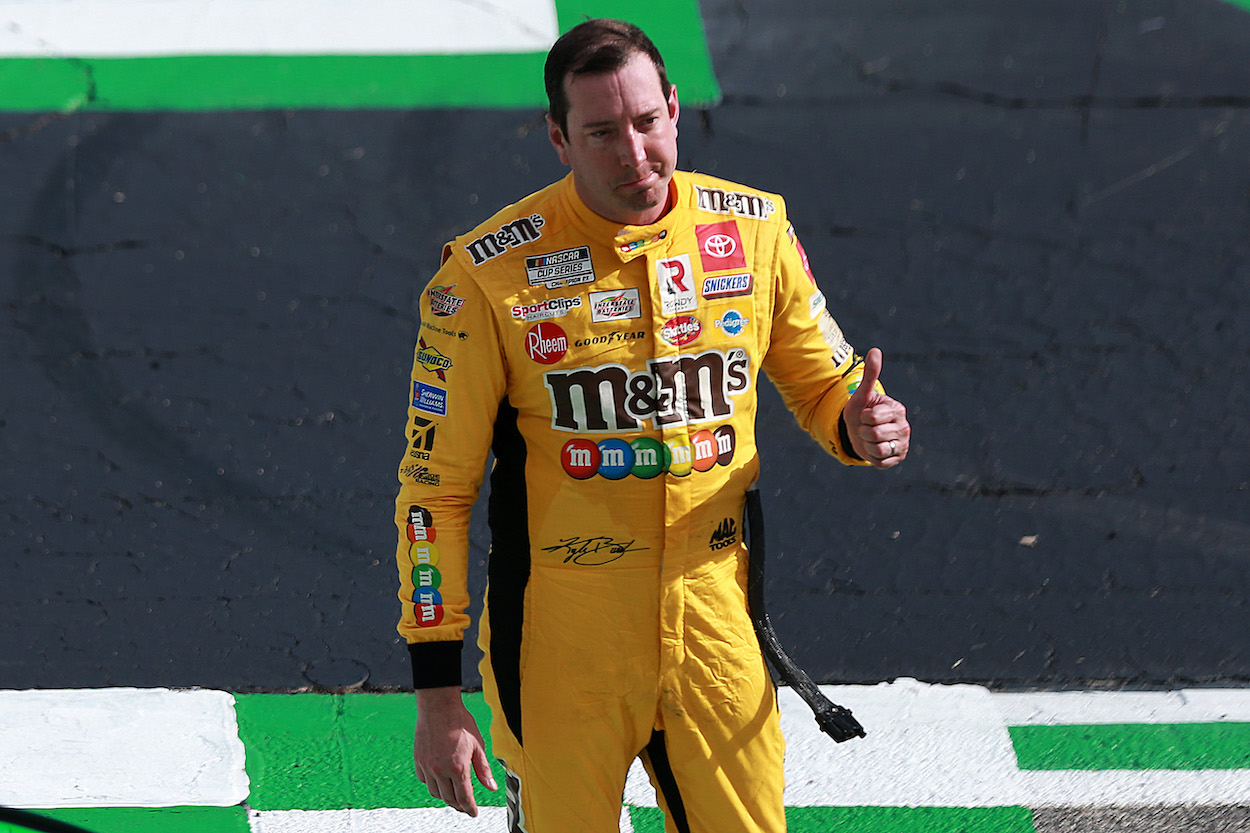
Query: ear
[(674, 109), (558, 140)]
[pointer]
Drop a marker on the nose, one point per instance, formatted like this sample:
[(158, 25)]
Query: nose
[(633, 149)]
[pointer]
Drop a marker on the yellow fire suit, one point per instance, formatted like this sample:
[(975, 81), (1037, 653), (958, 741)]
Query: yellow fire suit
[(613, 372)]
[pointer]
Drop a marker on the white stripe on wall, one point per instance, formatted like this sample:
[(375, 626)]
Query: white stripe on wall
[(145, 28)]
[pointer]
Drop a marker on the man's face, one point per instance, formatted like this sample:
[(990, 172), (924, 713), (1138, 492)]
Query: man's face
[(621, 142)]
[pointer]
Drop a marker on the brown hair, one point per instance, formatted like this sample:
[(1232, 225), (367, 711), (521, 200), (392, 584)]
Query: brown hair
[(595, 46)]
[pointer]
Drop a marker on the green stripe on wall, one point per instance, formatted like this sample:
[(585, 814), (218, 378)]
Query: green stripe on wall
[(246, 82), (340, 751), (154, 820), (676, 27), (1185, 746), (251, 82), (879, 820)]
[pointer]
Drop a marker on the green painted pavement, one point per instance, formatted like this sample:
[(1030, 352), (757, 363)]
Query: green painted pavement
[(1180, 746), (879, 820), (154, 820), (250, 82), (340, 751)]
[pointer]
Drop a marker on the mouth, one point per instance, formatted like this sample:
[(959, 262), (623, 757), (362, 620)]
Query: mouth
[(643, 180)]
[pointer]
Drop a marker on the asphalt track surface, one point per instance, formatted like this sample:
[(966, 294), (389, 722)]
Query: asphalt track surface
[(1039, 213)]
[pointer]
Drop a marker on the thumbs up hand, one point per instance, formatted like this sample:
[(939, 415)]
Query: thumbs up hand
[(876, 424)]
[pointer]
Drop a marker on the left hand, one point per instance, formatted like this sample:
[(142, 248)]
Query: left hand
[(876, 423)]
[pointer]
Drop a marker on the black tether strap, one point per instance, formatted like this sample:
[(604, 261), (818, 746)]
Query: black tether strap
[(835, 721)]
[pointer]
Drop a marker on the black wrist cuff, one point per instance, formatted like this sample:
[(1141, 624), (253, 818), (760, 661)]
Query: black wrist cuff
[(844, 437), (435, 664)]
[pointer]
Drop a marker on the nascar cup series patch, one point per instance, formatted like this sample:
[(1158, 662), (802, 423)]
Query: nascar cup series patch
[(568, 267)]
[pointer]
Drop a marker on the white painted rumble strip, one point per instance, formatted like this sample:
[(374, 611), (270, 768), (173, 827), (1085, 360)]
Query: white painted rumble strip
[(927, 745), (933, 745), (146, 28), (443, 820), (120, 748), (1193, 705)]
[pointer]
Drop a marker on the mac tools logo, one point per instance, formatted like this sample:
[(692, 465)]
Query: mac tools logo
[(725, 534)]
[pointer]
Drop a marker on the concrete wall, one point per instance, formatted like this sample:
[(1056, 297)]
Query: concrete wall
[(1039, 212)]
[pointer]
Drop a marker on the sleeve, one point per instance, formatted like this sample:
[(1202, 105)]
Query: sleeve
[(456, 386), (809, 360)]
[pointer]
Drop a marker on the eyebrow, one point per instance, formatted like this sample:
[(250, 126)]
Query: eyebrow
[(609, 122)]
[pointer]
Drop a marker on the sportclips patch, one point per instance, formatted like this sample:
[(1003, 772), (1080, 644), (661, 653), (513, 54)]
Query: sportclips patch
[(684, 388)]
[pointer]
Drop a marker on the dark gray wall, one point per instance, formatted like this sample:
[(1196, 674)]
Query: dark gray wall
[(1040, 212)]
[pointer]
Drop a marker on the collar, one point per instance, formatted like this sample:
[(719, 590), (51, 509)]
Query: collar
[(628, 242)]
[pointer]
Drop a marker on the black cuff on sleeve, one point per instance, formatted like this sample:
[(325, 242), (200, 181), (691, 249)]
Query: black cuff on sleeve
[(844, 437), (435, 664)]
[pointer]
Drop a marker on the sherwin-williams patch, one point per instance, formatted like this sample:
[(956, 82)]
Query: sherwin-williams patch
[(429, 398)]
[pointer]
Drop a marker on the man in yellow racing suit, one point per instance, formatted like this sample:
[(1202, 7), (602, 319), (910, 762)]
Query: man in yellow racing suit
[(612, 368)]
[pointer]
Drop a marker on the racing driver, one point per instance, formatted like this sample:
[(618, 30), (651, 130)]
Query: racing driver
[(604, 338)]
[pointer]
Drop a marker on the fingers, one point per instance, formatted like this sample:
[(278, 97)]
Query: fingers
[(455, 790), (891, 453), (872, 370), (884, 433), (462, 795), (481, 768)]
